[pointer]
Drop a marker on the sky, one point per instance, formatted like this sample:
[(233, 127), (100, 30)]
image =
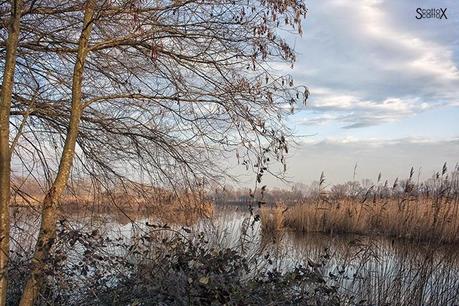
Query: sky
[(384, 91)]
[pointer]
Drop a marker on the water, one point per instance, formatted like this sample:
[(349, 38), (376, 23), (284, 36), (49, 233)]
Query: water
[(371, 270)]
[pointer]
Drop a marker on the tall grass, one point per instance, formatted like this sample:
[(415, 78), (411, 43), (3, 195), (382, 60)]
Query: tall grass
[(426, 211), (272, 220), (418, 220)]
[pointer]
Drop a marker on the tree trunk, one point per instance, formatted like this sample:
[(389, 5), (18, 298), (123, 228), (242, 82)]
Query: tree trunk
[(47, 232), (5, 152)]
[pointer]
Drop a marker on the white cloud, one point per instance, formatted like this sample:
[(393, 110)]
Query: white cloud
[(425, 57), (363, 69), (376, 142), (354, 111), (371, 62)]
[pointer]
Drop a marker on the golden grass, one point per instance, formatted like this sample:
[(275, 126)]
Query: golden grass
[(185, 208), (416, 219), (272, 221)]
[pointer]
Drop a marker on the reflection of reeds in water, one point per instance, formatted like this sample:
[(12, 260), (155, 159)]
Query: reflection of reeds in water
[(378, 271), (420, 268)]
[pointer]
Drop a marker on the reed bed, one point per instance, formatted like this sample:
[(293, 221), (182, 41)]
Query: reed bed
[(418, 220), (272, 219), (426, 211)]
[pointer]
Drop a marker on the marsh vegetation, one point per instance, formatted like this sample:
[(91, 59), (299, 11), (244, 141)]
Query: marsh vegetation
[(298, 253), (420, 212)]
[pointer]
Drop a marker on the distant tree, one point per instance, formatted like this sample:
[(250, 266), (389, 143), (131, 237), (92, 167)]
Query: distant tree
[(339, 191)]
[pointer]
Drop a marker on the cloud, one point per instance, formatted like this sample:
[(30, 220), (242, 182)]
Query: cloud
[(354, 112), (377, 142), (371, 62), (361, 124), (384, 91)]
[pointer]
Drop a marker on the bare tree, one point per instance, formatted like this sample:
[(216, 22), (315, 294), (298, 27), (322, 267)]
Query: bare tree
[(163, 88), (5, 150), (48, 221)]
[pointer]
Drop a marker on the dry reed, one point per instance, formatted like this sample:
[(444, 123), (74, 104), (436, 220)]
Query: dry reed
[(419, 219), (272, 221)]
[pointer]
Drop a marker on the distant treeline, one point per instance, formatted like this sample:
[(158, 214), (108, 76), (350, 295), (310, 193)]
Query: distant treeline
[(362, 190)]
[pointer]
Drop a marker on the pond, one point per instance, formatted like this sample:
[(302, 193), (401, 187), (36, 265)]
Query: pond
[(371, 270)]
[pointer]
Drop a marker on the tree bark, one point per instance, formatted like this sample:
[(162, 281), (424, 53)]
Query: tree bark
[(5, 151), (47, 232)]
